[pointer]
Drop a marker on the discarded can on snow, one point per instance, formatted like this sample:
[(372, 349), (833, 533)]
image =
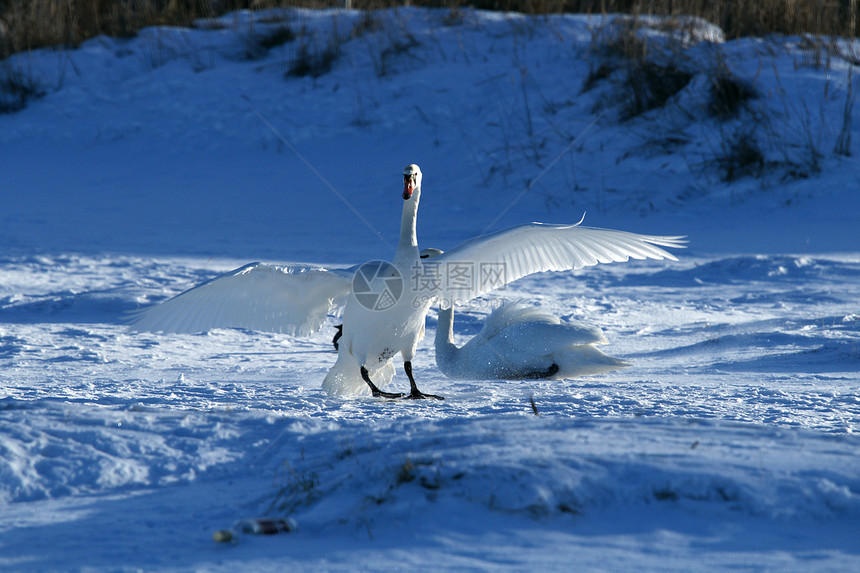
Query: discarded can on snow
[(265, 526), (261, 526)]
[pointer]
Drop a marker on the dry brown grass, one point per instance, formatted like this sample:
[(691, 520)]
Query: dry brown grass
[(31, 24), (739, 18)]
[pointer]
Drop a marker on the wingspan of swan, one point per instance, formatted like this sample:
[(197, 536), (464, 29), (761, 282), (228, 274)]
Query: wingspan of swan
[(493, 260), (292, 299)]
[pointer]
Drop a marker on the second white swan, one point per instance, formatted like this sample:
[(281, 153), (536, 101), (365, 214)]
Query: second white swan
[(518, 341)]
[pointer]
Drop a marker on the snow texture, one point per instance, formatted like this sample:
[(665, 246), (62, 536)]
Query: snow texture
[(155, 163)]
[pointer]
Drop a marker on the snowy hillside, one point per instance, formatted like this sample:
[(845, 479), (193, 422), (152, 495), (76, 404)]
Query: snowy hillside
[(137, 168)]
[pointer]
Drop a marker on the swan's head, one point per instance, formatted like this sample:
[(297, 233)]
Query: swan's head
[(430, 253), (411, 180)]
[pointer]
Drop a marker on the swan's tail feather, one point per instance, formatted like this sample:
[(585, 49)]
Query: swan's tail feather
[(344, 378), (587, 360)]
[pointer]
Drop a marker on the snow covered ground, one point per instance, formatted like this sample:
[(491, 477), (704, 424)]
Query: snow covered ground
[(146, 167)]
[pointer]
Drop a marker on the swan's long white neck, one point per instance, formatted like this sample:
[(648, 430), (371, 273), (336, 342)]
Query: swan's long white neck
[(408, 223), (446, 350)]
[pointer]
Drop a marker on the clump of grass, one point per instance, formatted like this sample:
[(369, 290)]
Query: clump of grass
[(454, 17), (728, 95), (17, 89), (741, 156), (619, 38), (298, 489), (387, 37), (650, 85), (276, 37), (843, 140), (400, 43), (368, 23), (258, 44), (646, 75), (596, 74), (314, 60), (391, 54)]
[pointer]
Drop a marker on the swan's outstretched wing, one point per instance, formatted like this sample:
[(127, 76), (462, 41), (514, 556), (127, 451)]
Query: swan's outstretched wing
[(484, 263), (293, 299)]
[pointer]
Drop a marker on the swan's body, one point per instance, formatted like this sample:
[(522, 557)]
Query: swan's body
[(517, 341), (376, 330), (296, 299)]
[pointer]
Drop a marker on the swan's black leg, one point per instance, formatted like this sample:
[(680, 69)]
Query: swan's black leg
[(337, 336), (377, 393), (416, 393)]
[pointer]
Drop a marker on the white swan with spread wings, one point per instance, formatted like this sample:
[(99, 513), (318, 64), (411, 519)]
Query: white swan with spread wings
[(296, 299)]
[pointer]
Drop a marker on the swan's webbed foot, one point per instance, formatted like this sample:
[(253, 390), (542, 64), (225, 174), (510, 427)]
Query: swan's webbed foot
[(374, 389), (416, 394), (390, 395), (337, 336)]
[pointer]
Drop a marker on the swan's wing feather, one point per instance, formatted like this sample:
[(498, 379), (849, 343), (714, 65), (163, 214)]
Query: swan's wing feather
[(484, 263), (292, 299)]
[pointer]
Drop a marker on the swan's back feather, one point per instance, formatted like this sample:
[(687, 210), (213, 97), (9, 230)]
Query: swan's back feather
[(517, 328), (292, 299), (505, 256), (512, 312)]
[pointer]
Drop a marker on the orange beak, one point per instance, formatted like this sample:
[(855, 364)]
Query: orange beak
[(408, 186)]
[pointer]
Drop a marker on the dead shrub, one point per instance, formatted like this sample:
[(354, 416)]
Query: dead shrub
[(741, 156), (650, 85), (17, 89), (314, 58), (646, 74), (728, 95), (843, 140)]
